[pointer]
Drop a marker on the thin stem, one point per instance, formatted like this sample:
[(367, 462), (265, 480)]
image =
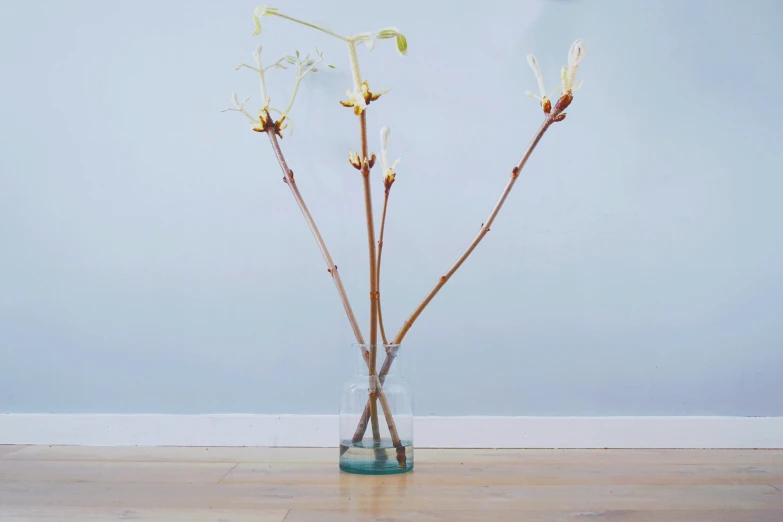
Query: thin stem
[(370, 413), (242, 110), (311, 67), (262, 80), (391, 355), (355, 72), (378, 269), (264, 98), (276, 64), (293, 95), (370, 236), (330, 266), (361, 428), (299, 77), (483, 232), (288, 177), (373, 277), (308, 24), (261, 70), (247, 115)]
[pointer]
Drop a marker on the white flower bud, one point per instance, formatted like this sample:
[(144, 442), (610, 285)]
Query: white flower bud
[(387, 170), (354, 160), (564, 79), (257, 56), (575, 55), (385, 131)]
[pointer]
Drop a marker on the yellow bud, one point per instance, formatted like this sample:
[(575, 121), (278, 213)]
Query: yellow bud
[(402, 44), (353, 158)]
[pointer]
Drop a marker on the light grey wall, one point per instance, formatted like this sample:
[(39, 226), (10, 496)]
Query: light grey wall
[(153, 261)]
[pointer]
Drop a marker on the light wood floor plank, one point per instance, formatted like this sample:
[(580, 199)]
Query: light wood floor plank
[(601, 457), (177, 454), (6, 449), (536, 516), (434, 456), (263, 484), (112, 472), (482, 473), (36, 514), (395, 496)]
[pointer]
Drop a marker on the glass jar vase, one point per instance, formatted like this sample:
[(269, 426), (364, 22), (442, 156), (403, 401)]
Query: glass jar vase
[(376, 416)]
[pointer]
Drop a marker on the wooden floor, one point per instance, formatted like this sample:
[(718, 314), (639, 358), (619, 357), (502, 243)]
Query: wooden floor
[(44, 483)]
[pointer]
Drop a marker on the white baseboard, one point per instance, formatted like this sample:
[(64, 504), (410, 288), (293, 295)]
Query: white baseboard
[(430, 432)]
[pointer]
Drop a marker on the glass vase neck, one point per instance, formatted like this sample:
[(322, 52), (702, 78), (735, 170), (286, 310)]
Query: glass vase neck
[(362, 357)]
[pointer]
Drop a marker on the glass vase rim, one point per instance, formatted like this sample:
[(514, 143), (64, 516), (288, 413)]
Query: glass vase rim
[(376, 344)]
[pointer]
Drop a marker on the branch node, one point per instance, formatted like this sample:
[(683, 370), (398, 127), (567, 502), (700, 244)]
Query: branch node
[(515, 172), (366, 167)]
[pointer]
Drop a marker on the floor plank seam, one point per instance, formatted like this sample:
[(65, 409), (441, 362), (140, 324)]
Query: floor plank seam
[(228, 473), (4, 455)]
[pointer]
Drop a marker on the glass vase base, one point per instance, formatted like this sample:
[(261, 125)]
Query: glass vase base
[(367, 457)]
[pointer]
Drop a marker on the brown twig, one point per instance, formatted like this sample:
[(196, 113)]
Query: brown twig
[(362, 427), (376, 434), (556, 115), (288, 177), (483, 232), (378, 268)]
